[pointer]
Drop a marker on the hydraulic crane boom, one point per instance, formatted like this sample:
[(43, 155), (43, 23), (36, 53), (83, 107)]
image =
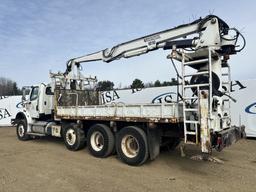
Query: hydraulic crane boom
[(210, 29)]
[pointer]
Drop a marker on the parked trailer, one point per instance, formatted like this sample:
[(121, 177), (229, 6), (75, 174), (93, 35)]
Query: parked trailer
[(70, 107)]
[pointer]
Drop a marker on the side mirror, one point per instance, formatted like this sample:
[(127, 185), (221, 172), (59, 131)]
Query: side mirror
[(23, 98), (25, 93)]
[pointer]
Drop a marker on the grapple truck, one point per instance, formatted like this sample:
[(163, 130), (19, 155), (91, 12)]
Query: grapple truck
[(70, 106)]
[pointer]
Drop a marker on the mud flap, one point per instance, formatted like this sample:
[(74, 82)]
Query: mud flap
[(154, 139)]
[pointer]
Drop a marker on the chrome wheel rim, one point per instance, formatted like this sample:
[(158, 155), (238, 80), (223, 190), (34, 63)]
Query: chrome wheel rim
[(21, 130), (71, 137), (130, 146), (97, 141)]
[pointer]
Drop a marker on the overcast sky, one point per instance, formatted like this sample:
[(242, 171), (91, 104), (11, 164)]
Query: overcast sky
[(41, 35)]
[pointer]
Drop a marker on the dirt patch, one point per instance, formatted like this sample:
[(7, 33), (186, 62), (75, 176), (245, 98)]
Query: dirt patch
[(46, 165)]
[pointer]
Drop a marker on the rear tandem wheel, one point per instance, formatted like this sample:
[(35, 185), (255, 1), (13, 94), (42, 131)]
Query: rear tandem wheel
[(74, 137), (100, 140), (132, 145)]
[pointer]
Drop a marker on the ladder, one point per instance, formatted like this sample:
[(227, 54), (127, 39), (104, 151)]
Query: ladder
[(226, 82), (191, 101)]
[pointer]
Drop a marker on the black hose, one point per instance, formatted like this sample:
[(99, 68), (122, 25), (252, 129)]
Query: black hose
[(175, 68), (236, 38), (244, 41)]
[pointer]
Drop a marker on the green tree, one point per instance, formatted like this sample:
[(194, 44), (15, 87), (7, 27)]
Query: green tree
[(137, 83), (16, 90), (105, 85), (166, 83), (170, 83), (174, 81), (8, 87), (157, 83)]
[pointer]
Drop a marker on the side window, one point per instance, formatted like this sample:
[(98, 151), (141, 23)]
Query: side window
[(34, 93), (48, 91)]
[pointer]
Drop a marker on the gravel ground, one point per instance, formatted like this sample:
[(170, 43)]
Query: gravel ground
[(46, 165)]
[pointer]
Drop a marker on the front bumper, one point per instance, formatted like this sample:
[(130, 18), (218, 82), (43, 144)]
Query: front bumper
[(227, 137)]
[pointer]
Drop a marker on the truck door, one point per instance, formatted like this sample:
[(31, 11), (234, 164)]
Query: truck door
[(32, 105), (45, 99)]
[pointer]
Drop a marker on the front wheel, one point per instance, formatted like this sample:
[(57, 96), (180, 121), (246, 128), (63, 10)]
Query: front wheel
[(132, 145), (21, 131)]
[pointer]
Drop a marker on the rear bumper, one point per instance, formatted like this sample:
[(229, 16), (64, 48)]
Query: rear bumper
[(227, 137)]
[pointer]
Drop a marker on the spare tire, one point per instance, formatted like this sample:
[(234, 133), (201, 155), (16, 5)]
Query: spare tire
[(202, 79)]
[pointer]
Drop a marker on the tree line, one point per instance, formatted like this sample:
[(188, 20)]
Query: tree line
[(137, 83), (8, 87)]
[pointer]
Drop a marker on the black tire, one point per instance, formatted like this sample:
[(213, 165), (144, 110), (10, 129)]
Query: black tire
[(132, 145), (74, 137), (21, 130), (100, 141)]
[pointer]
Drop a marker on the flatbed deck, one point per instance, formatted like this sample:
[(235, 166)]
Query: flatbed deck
[(158, 113)]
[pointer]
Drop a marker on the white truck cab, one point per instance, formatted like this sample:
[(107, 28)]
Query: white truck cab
[(39, 102)]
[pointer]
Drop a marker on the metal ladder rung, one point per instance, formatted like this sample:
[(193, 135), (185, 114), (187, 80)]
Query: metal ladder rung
[(226, 83), (196, 85), (225, 74), (190, 121), (190, 133), (190, 109), (196, 62), (198, 73)]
